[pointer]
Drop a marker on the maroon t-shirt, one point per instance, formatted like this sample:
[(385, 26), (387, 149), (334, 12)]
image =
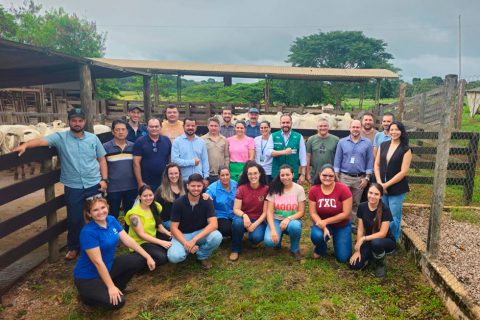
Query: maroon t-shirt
[(252, 199), (332, 204)]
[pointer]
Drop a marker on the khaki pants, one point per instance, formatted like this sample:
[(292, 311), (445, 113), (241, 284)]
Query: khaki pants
[(353, 183)]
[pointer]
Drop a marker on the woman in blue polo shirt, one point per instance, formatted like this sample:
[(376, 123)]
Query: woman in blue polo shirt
[(100, 277), (222, 193)]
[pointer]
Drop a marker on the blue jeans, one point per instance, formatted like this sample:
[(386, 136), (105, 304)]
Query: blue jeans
[(75, 200), (238, 230), (294, 230), (166, 224), (342, 241), (395, 203), (115, 199), (177, 253)]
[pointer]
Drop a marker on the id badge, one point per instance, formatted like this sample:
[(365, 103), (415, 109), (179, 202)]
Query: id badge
[(262, 158), (352, 160)]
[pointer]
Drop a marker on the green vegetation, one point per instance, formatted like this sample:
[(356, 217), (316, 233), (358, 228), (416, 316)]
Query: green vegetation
[(465, 215)]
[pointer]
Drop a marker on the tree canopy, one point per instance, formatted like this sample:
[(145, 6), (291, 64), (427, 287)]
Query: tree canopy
[(55, 29)]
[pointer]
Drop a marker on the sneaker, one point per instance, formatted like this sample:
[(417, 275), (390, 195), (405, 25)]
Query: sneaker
[(71, 255), (233, 256), (206, 264), (297, 255)]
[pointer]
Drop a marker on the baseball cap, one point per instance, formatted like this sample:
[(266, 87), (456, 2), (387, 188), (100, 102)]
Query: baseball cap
[(133, 106), (253, 110), (76, 113)]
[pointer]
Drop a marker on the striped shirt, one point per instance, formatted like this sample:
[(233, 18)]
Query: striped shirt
[(120, 167)]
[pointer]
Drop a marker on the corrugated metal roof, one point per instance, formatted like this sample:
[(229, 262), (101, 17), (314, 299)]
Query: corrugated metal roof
[(250, 71)]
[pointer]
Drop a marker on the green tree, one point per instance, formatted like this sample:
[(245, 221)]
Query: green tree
[(340, 49), (8, 27)]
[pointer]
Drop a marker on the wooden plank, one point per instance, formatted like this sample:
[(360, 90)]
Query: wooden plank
[(23, 188), (11, 160), (29, 216), (31, 244)]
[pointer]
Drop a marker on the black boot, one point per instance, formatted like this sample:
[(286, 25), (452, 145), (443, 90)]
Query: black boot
[(380, 269)]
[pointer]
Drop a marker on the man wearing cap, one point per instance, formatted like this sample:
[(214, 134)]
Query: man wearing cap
[(84, 170), (227, 129), (134, 127), (172, 127), (253, 127), (151, 154)]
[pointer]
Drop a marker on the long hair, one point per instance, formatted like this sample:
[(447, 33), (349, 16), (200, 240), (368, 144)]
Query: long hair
[(153, 205), (276, 186), (165, 191), (243, 179), (317, 180), (377, 222), (89, 205), (403, 131)]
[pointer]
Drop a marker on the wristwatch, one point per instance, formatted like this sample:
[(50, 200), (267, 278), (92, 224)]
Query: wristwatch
[(104, 180)]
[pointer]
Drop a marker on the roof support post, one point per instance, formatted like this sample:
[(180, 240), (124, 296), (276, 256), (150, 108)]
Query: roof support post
[(86, 95), (227, 81), (147, 104), (267, 94), (179, 88), (156, 94), (362, 95), (377, 93)]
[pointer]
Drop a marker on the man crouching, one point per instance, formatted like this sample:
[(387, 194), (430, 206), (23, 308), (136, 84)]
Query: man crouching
[(193, 225)]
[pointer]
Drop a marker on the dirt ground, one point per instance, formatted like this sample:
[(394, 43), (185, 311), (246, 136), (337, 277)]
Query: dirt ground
[(459, 246)]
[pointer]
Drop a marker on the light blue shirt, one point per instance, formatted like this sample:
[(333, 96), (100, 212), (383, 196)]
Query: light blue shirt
[(78, 157), (223, 199), (263, 153), (380, 137), (352, 157), (185, 151)]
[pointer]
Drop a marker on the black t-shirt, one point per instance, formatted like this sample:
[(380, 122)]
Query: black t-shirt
[(191, 218), (166, 206), (368, 217)]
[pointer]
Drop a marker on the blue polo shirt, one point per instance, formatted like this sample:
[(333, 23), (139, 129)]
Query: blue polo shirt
[(155, 157), (93, 236), (352, 157), (132, 135), (120, 167), (252, 132), (223, 199), (78, 157), (380, 137)]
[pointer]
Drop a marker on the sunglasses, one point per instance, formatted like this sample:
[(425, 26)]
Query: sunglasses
[(154, 145), (97, 196)]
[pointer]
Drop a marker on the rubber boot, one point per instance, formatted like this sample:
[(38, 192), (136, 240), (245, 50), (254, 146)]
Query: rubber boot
[(380, 269)]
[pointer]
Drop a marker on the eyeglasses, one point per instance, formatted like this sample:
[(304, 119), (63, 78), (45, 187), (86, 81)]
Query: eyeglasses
[(328, 176), (154, 144), (94, 197)]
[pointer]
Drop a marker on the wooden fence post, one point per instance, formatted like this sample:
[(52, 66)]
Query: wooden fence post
[(423, 106), (86, 95), (441, 163), (49, 191), (401, 101), (147, 104), (461, 94), (156, 94)]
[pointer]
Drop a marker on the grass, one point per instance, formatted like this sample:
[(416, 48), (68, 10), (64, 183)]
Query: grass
[(465, 215)]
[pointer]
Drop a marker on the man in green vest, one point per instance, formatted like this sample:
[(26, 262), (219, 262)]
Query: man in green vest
[(289, 148)]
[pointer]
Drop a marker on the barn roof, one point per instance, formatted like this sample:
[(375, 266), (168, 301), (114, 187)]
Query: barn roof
[(26, 65), (249, 71)]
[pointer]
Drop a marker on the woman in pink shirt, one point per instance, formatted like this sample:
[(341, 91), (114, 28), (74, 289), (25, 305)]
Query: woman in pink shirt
[(241, 149)]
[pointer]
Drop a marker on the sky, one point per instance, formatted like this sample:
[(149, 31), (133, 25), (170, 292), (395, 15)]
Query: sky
[(423, 36)]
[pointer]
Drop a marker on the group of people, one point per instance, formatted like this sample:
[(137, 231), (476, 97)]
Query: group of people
[(184, 194)]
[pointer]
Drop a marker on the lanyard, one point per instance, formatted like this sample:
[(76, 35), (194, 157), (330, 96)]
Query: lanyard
[(262, 148)]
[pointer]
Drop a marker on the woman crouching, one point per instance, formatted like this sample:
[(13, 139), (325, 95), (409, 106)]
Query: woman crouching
[(374, 236), (99, 276)]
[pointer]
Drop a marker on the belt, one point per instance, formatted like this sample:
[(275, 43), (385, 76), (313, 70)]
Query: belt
[(354, 174)]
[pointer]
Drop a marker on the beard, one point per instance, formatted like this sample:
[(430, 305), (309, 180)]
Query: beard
[(286, 129), (77, 129)]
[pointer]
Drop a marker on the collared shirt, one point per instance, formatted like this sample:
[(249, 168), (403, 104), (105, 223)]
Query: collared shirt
[(155, 157), (184, 152), (79, 158), (223, 199), (352, 157), (254, 131), (93, 236), (263, 153), (302, 150), (217, 152), (191, 218), (227, 131), (134, 135), (370, 136), (120, 166), (380, 138)]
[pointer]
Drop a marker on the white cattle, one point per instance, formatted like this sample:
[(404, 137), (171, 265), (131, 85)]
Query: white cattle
[(101, 128)]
